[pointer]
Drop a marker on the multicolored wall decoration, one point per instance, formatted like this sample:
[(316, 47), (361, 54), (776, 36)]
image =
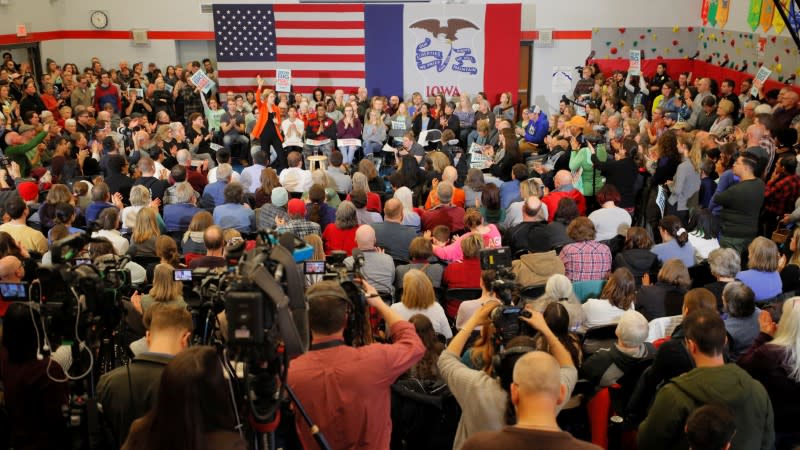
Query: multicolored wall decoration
[(740, 51)]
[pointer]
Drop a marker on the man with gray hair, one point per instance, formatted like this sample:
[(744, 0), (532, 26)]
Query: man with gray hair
[(703, 91), (179, 136), (214, 193), (378, 267), (178, 214), (749, 113), (741, 322), (445, 213), (150, 179), (234, 213), (194, 175), (607, 366)]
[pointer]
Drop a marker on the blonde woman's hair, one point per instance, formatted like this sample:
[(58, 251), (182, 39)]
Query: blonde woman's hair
[(146, 227), (788, 337), (360, 182), (316, 243), (58, 193), (165, 288), (417, 290), (139, 196)]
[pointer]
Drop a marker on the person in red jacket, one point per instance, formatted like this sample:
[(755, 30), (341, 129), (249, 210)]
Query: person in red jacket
[(564, 188), (269, 136)]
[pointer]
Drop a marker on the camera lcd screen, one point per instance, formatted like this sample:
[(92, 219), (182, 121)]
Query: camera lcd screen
[(183, 275), (82, 261), (314, 267), (12, 292), (495, 258)]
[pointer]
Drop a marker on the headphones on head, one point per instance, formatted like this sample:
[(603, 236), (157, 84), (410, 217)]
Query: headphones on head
[(497, 360)]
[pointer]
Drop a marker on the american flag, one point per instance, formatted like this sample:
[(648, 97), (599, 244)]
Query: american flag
[(323, 45)]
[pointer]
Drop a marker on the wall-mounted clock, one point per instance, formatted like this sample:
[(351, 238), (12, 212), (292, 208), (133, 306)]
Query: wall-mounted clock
[(99, 19)]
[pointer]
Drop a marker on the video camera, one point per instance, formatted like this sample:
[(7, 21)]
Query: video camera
[(506, 318), (358, 331)]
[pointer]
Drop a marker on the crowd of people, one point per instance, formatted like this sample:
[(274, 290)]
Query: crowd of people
[(651, 222)]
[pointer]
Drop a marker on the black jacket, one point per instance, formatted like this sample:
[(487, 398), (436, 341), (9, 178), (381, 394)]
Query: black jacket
[(660, 300), (639, 261), (127, 393), (622, 174), (416, 124)]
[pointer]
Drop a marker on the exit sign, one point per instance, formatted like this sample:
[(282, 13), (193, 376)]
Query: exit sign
[(22, 30)]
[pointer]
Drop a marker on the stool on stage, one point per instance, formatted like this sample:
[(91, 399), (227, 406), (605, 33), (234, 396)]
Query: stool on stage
[(319, 160)]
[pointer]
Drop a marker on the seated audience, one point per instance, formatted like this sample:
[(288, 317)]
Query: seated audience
[(616, 297), (32, 240), (270, 212), (741, 316), (464, 274), (564, 189), (178, 215), (392, 236), (426, 368), (165, 290), (215, 246), (665, 297), (234, 213), (192, 241), (297, 223), (674, 242), (109, 223), (559, 290), (703, 236), (558, 320), (724, 264), (607, 366), (378, 267), (585, 259), (365, 216), (762, 275), (418, 298), (636, 255), (145, 233), (711, 427), (711, 382), (445, 213), (526, 236), (610, 220), (341, 235), (773, 361), (317, 210), (420, 256)]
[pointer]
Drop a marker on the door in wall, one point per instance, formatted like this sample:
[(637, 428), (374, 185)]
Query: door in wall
[(525, 65), (28, 54)]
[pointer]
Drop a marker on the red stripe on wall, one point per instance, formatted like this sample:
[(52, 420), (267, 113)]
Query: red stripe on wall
[(315, 8), (561, 35), (320, 24), (319, 58), (6, 39), (312, 41), (502, 48), (303, 89), (295, 73)]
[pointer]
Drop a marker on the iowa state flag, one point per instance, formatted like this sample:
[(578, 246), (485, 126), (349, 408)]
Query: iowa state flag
[(390, 49), (447, 49)]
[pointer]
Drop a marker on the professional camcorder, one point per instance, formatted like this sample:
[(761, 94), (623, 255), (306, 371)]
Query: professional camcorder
[(506, 318)]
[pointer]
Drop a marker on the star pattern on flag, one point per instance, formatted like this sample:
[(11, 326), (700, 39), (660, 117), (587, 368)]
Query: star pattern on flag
[(245, 33)]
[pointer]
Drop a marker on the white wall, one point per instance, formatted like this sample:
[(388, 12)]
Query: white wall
[(590, 14), (185, 15)]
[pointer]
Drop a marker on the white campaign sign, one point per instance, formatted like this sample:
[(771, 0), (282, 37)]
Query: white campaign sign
[(441, 57), (283, 80)]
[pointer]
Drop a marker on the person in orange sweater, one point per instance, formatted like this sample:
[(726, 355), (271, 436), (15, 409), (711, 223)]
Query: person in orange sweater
[(450, 175), (269, 135)]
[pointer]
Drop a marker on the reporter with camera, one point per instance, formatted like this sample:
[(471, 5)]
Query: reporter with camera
[(346, 390), (127, 393), (483, 397)]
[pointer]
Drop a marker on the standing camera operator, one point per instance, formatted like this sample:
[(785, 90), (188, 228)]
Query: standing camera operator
[(345, 389), (128, 393)]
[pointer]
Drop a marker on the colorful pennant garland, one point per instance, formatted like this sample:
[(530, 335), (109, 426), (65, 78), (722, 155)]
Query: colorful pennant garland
[(767, 12), (704, 12), (777, 19), (712, 12), (754, 13), (722, 12)]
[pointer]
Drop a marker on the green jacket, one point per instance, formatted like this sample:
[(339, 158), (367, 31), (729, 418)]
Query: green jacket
[(582, 159), (22, 154), (729, 385)]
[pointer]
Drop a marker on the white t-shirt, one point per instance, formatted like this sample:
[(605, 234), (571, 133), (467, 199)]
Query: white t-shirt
[(601, 312), (212, 176), (609, 221), (702, 247), (291, 139), (435, 313), (303, 177)]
